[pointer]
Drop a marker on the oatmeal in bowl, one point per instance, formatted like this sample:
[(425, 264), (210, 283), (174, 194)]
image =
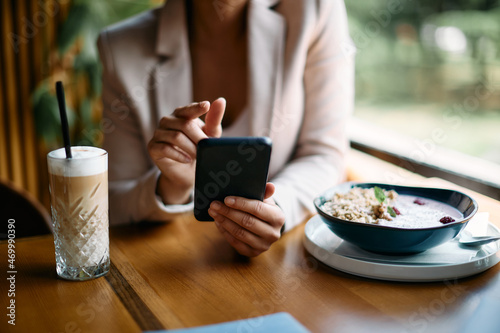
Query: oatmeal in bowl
[(361, 205), (394, 219)]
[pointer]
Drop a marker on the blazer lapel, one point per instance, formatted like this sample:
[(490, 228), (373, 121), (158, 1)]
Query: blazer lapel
[(172, 75), (266, 42)]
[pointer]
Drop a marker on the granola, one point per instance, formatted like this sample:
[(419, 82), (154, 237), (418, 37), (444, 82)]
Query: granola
[(360, 205)]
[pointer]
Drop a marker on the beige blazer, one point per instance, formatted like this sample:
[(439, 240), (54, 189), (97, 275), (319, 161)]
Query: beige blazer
[(300, 95)]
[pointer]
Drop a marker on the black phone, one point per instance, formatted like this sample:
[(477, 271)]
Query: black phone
[(230, 166)]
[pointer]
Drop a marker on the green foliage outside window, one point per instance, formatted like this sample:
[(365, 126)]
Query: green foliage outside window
[(76, 63), (419, 62), (416, 56)]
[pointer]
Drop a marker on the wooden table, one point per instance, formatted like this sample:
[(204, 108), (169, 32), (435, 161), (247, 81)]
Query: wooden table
[(182, 274)]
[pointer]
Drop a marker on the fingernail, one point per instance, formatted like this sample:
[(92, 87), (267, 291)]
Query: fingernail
[(212, 212), (187, 159), (229, 201), (204, 104), (215, 205)]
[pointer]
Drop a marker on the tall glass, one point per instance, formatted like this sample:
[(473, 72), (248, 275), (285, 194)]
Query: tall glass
[(79, 205)]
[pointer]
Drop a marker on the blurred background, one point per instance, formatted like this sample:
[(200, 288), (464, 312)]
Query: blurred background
[(421, 65), (430, 64)]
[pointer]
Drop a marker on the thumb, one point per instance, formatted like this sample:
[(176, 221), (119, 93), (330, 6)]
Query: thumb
[(213, 118), (270, 189)]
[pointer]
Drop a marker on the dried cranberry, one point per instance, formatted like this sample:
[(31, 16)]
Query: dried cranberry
[(419, 202), (447, 219), (396, 211)]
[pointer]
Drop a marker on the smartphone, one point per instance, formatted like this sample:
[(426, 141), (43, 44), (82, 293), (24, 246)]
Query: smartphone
[(230, 166)]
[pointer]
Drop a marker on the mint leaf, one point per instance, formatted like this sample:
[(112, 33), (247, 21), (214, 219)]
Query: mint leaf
[(379, 194), (391, 211)]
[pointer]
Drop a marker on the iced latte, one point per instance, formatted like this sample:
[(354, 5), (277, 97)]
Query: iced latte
[(79, 205)]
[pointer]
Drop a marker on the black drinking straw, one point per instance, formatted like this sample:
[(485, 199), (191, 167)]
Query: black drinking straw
[(64, 118)]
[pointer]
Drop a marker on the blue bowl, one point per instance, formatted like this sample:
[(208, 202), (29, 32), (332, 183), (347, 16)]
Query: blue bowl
[(393, 240)]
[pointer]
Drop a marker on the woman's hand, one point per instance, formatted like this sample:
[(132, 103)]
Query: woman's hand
[(250, 226), (173, 146)]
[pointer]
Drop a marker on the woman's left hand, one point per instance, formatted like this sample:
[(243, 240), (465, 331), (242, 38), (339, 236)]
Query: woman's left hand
[(250, 226)]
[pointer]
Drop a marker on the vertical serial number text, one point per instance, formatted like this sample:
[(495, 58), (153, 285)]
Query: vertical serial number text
[(11, 272)]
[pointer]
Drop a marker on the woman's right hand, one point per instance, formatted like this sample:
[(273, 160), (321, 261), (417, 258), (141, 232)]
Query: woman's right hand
[(173, 147)]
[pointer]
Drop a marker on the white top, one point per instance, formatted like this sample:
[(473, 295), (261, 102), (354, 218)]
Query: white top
[(240, 127)]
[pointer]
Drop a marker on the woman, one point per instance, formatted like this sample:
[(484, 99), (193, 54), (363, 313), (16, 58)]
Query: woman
[(282, 67)]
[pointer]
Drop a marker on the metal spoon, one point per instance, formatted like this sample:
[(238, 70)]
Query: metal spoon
[(476, 241)]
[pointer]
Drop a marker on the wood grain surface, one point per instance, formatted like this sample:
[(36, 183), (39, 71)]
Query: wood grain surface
[(183, 274), (46, 303)]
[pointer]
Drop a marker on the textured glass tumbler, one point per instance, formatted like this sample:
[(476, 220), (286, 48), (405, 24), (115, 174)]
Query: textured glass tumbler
[(79, 204)]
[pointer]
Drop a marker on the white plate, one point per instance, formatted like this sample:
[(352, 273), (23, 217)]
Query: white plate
[(324, 246)]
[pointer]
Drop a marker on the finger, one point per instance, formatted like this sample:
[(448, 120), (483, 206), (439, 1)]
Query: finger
[(160, 150), (245, 223), (240, 235), (213, 118), (192, 111), (270, 189), (261, 210), (191, 128), (239, 246), (177, 139)]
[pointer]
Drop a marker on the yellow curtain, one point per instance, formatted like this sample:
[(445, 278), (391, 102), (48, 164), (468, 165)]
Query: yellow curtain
[(28, 28)]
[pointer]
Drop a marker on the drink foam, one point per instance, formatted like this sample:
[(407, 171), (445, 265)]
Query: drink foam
[(85, 161)]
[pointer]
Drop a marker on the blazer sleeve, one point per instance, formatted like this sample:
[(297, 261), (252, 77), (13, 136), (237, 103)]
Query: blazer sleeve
[(132, 175), (318, 160)]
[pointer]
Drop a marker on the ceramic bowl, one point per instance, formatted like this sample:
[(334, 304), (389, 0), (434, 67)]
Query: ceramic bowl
[(394, 240)]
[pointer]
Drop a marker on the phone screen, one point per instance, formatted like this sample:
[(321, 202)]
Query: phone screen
[(230, 167)]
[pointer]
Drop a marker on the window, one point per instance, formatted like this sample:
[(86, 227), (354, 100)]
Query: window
[(428, 81)]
